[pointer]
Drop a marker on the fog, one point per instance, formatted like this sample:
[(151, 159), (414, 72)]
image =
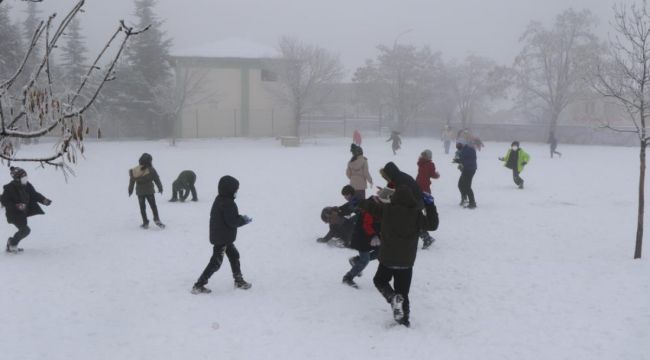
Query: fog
[(350, 28)]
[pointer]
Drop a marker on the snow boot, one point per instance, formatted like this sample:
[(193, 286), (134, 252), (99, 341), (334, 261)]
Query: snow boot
[(471, 206), (145, 225), (347, 280), (405, 321), (200, 289), (13, 249), (427, 241), (240, 283), (396, 303), (159, 224)]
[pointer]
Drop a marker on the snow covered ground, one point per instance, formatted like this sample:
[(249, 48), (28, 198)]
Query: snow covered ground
[(543, 273)]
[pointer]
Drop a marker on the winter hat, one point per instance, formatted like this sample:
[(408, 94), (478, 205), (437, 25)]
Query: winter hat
[(145, 159), (515, 143), (347, 190), (426, 154), (325, 213), (17, 173)]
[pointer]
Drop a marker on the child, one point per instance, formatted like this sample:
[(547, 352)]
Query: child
[(516, 158), (224, 221), (20, 200), (357, 172), (365, 239), (397, 141), (399, 230), (143, 177), (340, 227), (183, 186), (467, 164), (553, 143), (426, 172)]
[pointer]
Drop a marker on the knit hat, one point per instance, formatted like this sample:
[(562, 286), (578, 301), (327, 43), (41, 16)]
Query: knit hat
[(17, 173), (356, 149), (515, 143), (145, 159), (426, 154)]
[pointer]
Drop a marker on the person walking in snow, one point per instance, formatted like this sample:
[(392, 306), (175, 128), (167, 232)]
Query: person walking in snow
[(143, 178), (356, 137), (399, 231), (224, 222), (466, 160), (357, 172), (365, 239), (426, 172), (516, 158), (20, 201), (397, 141), (183, 186), (552, 141), (447, 136)]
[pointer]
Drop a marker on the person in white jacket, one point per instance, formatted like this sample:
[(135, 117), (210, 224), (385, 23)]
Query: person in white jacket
[(357, 172)]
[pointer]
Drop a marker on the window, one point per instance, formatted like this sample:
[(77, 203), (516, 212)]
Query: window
[(268, 75)]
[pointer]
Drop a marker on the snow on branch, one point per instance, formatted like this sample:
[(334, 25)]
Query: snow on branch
[(37, 110)]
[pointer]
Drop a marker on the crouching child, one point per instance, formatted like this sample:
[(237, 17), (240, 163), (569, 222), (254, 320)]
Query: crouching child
[(365, 239), (224, 221)]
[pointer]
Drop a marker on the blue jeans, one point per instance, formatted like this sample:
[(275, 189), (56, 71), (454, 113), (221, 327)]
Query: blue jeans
[(364, 258)]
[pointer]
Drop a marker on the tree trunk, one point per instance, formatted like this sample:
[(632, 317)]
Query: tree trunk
[(553, 122), (639, 226)]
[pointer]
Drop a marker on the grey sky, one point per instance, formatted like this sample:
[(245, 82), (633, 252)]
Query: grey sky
[(351, 28)]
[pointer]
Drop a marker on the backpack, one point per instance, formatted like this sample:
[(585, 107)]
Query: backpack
[(429, 219)]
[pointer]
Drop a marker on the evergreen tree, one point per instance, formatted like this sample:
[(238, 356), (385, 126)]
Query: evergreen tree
[(12, 52), (73, 58), (144, 75)]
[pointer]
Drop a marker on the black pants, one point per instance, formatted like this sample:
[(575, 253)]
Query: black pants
[(182, 193), (151, 199), (517, 179), (217, 259), (23, 231), (465, 185), (553, 151), (401, 284)]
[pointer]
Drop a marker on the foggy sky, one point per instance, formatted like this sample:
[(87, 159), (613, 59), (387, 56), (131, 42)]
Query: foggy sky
[(351, 28)]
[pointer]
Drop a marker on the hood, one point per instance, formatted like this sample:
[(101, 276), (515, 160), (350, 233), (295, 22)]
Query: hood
[(145, 160), (391, 170), (228, 186), (403, 196)]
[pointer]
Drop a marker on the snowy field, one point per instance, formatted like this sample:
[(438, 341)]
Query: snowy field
[(543, 273)]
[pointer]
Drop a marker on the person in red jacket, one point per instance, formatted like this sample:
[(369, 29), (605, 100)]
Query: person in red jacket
[(356, 137), (426, 172)]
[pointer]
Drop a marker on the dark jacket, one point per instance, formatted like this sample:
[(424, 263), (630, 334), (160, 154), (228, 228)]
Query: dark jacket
[(224, 216), (400, 228), (16, 193), (468, 158), (143, 177), (365, 229), (398, 178)]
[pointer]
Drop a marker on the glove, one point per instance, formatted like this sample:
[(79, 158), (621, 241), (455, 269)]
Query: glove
[(374, 242), (247, 219), (21, 206), (130, 193), (47, 202)]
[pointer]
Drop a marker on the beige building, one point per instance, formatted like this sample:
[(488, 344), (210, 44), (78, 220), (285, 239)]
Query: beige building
[(227, 90)]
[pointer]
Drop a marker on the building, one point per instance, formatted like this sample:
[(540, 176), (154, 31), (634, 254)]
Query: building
[(227, 89)]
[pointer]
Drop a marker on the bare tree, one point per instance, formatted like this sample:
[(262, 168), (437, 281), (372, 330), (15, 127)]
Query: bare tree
[(403, 77), (475, 81), (553, 64), (306, 71), (624, 75), (39, 110)]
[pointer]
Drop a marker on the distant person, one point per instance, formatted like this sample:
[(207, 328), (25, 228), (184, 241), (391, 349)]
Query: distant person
[(357, 172), (447, 136), (356, 137), (20, 201), (426, 172), (224, 222), (183, 186), (143, 178), (553, 143), (397, 141), (516, 158), (467, 164)]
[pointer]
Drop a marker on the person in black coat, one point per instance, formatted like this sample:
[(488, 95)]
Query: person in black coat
[(467, 165), (20, 200), (183, 186), (391, 173), (365, 239), (224, 221)]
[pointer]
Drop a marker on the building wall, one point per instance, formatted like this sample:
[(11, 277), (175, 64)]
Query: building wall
[(245, 105)]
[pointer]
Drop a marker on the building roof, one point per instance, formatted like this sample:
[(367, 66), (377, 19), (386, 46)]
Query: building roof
[(229, 48)]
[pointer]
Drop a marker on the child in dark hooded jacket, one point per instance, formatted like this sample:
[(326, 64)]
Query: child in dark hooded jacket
[(143, 178), (224, 221)]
